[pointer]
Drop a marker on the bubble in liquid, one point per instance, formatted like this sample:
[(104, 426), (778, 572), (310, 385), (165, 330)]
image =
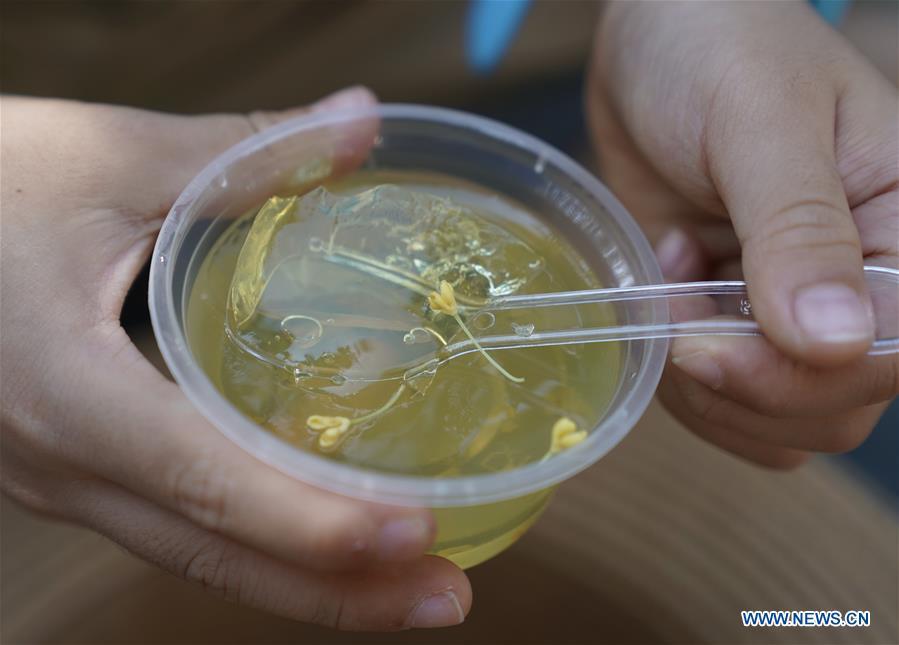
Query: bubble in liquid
[(536, 264), (484, 320), (420, 377), (305, 330), (523, 330), (425, 368), (745, 307), (338, 379), (316, 244)]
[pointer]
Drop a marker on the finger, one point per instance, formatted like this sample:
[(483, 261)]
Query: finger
[(156, 444), (697, 252), (104, 157), (867, 146), (802, 255), (752, 372), (759, 452), (706, 411), (428, 592), (680, 256), (183, 145)]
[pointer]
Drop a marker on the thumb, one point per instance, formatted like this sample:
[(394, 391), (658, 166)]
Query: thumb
[(180, 146), (776, 172)]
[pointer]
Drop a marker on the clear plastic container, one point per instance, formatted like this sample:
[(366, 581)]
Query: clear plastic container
[(406, 137)]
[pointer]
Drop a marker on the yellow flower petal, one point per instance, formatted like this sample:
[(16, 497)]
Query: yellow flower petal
[(330, 439), (573, 439), (435, 302), (565, 435), (447, 293), (318, 422), (444, 300)]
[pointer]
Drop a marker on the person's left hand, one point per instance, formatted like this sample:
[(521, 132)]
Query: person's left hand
[(93, 434)]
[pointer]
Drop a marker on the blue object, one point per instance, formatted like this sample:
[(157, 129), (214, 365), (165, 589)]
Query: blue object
[(833, 11), (492, 25)]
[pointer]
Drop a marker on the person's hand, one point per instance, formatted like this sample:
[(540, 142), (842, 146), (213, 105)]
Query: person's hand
[(749, 139), (92, 433)]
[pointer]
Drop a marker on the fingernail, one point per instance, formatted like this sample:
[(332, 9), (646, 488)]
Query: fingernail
[(833, 313), (348, 98), (701, 366), (671, 251), (438, 610), (403, 538)]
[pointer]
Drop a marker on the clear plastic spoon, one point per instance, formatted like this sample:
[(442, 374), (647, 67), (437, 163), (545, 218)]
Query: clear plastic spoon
[(729, 300), (692, 309), (695, 309)]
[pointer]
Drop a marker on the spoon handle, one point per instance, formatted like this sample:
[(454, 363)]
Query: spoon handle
[(697, 309)]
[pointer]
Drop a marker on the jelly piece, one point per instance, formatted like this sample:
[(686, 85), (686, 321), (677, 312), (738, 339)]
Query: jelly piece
[(347, 275)]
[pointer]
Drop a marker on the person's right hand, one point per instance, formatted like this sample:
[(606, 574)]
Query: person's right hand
[(92, 433), (750, 141)]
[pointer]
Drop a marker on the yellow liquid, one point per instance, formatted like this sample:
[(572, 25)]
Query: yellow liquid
[(463, 419)]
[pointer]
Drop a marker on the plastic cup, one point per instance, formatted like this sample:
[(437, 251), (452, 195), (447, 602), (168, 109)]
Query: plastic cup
[(406, 137)]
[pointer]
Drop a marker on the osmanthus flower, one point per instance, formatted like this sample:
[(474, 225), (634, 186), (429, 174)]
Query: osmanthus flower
[(565, 435), (335, 429), (443, 301)]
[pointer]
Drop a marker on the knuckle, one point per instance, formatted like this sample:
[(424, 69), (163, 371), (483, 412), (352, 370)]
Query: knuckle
[(705, 406), (803, 224), (26, 486), (26, 495), (765, 383), (202, 491), (22, 426), (259, 120), (216, 567), (775, 402), (807, 85), (338, 538)]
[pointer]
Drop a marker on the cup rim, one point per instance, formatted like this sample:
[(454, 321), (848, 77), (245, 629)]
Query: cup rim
[(350, 480)]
